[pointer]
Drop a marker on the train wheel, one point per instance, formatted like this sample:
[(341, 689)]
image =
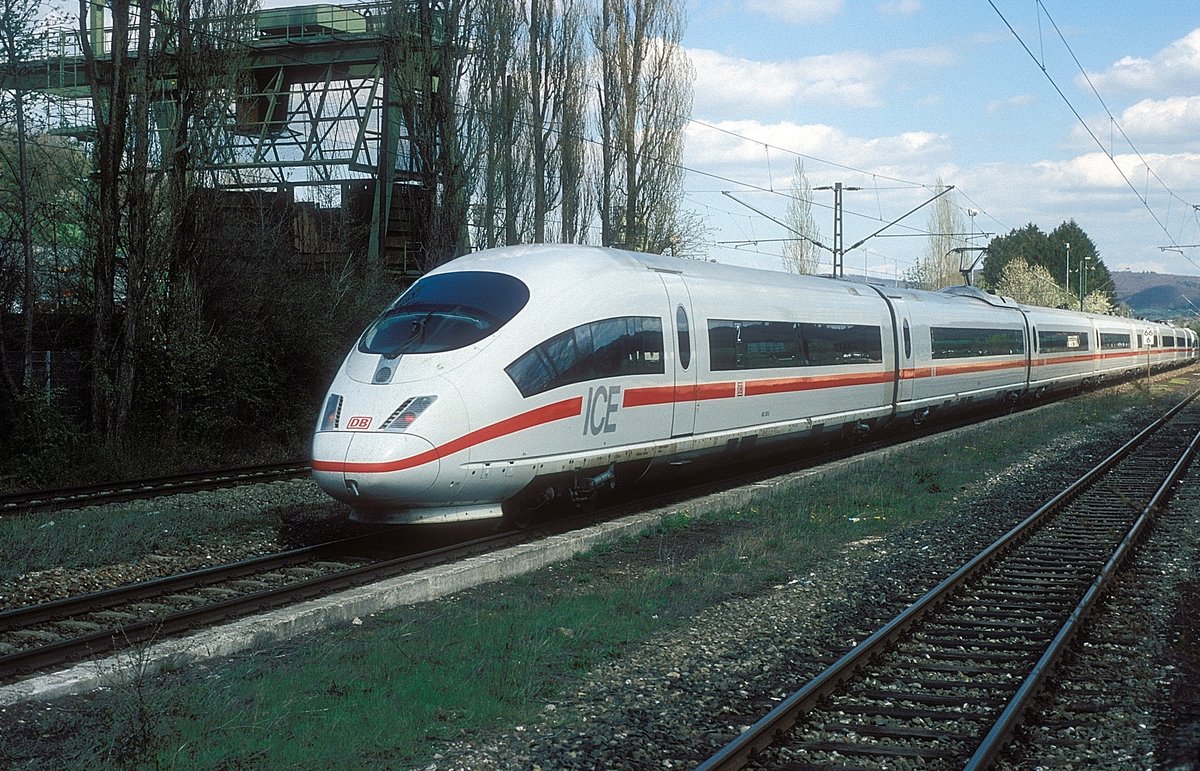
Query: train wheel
[(523, 510), (517, 516)]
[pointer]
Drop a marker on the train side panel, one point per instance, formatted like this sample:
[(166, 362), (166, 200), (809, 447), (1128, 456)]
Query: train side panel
[(967, 350)]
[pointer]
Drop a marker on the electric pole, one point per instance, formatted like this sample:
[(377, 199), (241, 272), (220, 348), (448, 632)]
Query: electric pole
[(838, 252)]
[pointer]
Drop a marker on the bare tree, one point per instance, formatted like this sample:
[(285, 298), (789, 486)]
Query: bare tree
[(428, 56), (147, 149), (557, 88), (644, 103), (800, 251), (570, 70), (940, 265), (17, 19), (110, 87), (498, 84), (527, 84)]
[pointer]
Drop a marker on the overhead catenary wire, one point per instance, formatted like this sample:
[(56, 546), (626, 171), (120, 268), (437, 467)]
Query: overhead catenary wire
[(1075, 111)]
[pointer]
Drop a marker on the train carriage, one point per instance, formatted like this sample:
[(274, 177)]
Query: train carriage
[(513, 377), (1063, 351), (968, 347), (1116, 341)]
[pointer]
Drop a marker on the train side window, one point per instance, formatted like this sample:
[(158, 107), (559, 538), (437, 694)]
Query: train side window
[(1060, 342), (907, 341), (827, 344), (735, 345), (685, 337), (959, 343), (630, 345), (1111, 340)]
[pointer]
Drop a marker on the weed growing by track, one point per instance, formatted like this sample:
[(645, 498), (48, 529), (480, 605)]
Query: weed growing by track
[(126, 532), (383, 692)]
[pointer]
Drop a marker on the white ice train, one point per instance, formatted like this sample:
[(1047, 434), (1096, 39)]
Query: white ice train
[(512, 377)]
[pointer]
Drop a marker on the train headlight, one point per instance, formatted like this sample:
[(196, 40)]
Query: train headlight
[(332, 413), (407, 413)]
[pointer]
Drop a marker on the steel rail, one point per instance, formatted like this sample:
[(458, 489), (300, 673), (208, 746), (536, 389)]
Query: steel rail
[(15, 618), (997, 738), (737, 752), (123, 636), (136, 489)]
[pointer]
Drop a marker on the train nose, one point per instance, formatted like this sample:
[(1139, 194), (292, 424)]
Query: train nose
[(366, 467)]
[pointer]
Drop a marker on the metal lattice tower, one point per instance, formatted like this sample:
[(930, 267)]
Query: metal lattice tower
[(318, 106)]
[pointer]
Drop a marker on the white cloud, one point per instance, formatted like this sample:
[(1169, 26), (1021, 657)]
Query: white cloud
[(763, 159), (900, 7), (1011, 104), (1173, 68), (728, 86), (1173, 120), (797, 12)]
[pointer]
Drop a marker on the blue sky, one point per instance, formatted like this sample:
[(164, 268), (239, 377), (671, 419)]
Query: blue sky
[(890, 95)]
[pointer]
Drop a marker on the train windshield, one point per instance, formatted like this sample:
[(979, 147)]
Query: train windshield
[(445, 312)]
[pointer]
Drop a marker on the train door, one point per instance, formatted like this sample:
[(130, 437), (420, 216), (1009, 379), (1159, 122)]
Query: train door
[(681, 326), (906, 373), (902, 344)]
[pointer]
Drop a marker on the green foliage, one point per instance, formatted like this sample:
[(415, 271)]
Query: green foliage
[(39, 435), (1049, 252)]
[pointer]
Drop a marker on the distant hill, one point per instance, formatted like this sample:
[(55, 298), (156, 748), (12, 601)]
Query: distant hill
[(1158, 295)]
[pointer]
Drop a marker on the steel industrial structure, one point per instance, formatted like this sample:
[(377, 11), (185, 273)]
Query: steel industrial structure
[(318, 105)]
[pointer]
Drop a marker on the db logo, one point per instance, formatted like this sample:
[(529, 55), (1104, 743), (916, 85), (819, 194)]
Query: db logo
[(359, 421)]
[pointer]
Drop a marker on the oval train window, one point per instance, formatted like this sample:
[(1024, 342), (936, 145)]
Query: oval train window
[(685, 337)]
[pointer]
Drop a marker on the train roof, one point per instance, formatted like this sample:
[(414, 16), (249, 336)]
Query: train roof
[(547, 265), (538, 264)]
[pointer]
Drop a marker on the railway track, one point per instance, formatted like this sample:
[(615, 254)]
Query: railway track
[(30, 502), (945, 683), (117, 492), (37, 637)]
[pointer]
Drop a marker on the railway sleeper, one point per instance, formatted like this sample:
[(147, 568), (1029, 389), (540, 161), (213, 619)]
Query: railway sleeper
[(909, 713), (893, 732), (999, 601), (955, 668), (34, 635), (949, 685), (932, 699), (998, 631), (999, 623), (878, 750), (975, 656), (952, 641), (75, 626)]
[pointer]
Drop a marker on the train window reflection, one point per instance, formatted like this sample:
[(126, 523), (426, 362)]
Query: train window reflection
[(444, 312), (1112, 340), (959, 343), (685, 337), (772, 344), (630, 345), (1060, 342)]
